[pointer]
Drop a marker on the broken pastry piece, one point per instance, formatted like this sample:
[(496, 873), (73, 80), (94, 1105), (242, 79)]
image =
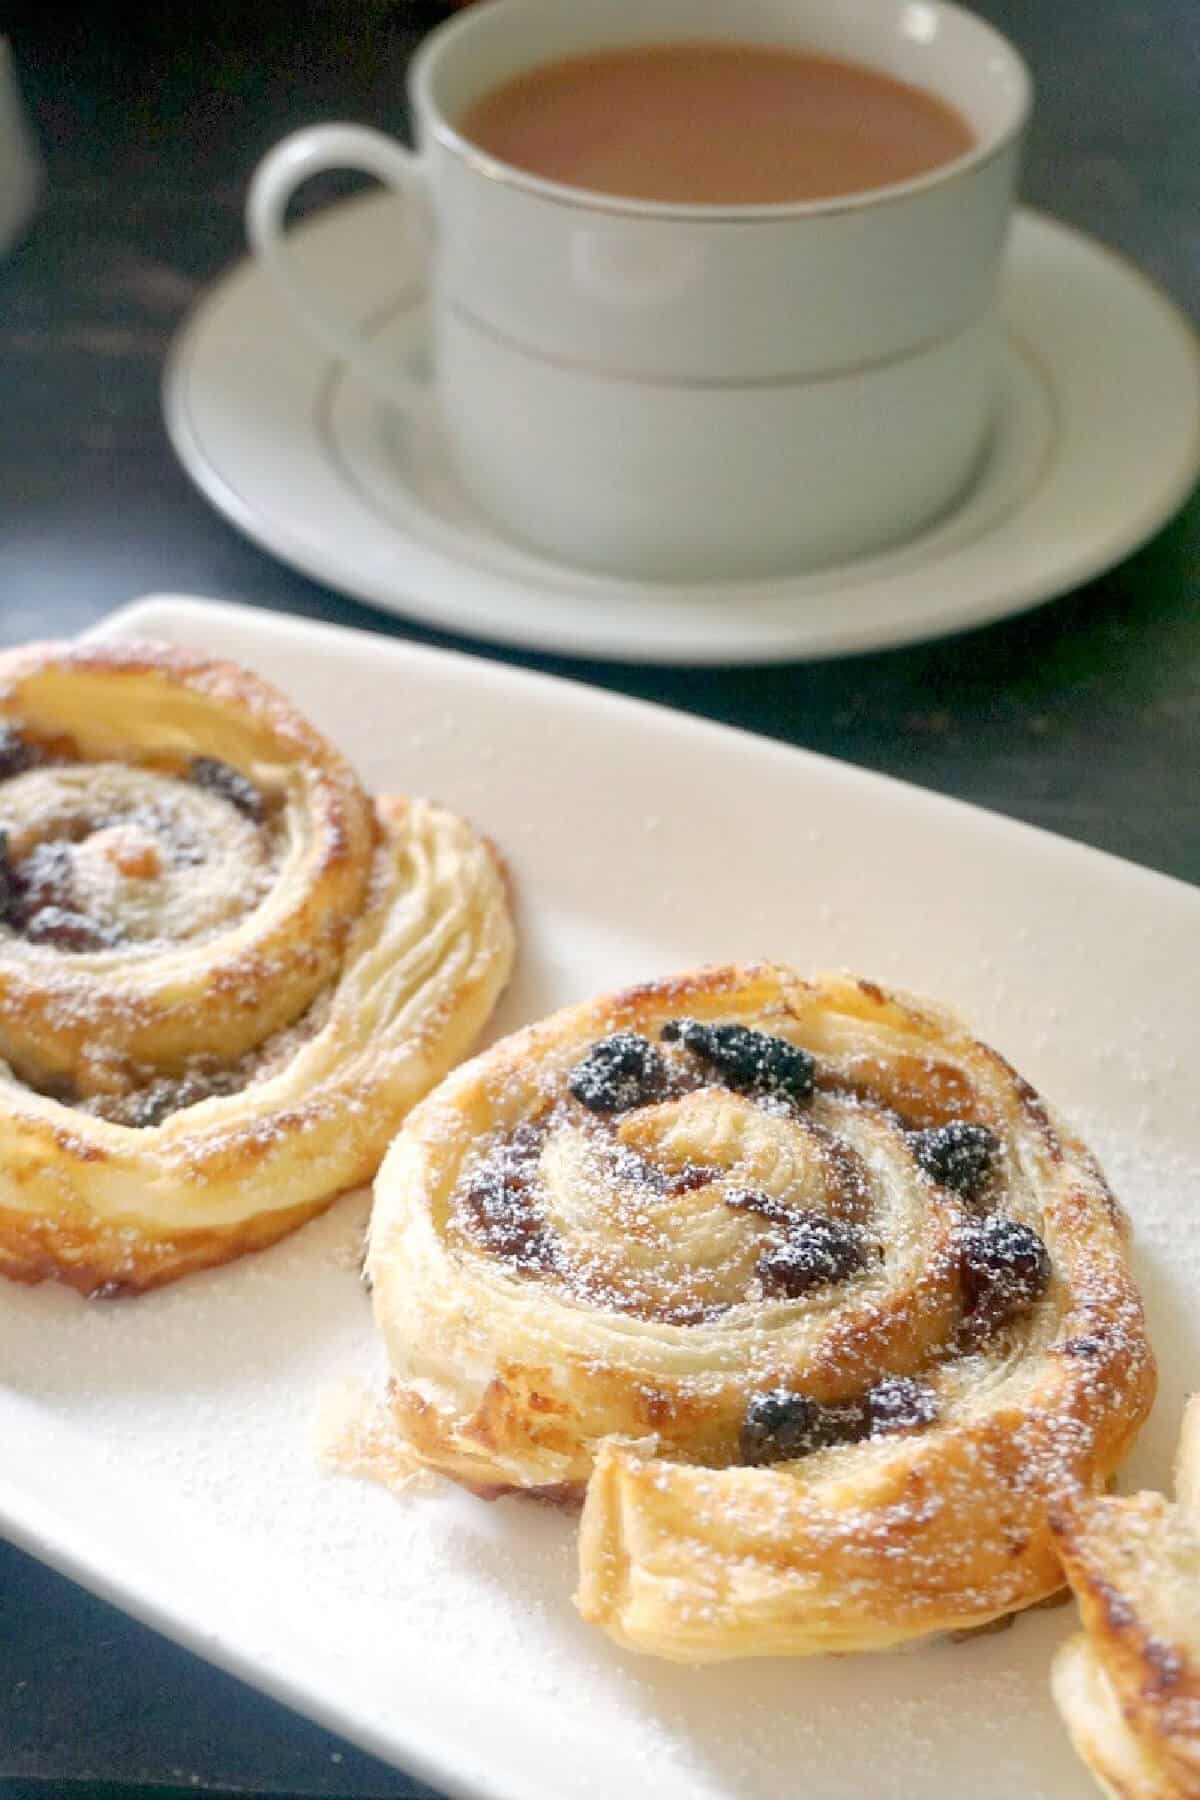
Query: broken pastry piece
[(226, 972), (798, 1286), (1128, 1686)]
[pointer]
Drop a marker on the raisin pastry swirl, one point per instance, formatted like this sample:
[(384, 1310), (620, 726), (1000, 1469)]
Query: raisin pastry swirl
[(225, 974), (794, 1281), (1128, 1685)]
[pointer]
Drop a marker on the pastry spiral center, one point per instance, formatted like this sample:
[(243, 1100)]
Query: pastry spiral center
[(103, 856), (684, 1209), (723, 1169), (628, 1237)]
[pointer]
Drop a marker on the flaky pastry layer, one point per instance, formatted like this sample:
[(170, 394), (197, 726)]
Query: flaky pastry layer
[(1128, 1685)]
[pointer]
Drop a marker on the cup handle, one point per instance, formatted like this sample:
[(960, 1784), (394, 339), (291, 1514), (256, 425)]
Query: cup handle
[(278, 175)]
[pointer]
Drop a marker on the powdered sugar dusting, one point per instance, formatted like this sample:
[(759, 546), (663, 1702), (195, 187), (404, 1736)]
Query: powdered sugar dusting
[(435, 1619), (356, 1435)]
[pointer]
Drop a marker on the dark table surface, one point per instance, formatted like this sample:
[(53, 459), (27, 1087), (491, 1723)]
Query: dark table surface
[(1082, 716)]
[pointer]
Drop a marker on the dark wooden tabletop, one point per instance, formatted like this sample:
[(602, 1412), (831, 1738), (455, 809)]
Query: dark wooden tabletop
[(1083, 716)]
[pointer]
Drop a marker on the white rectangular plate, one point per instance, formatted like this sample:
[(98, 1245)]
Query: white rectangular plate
[(161, 1450)]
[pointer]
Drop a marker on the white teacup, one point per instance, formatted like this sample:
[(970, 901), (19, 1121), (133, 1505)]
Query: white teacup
[(691, 391)]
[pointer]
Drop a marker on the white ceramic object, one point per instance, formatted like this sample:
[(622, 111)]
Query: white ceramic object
[(1097, 442), (161, 1450), (22, 176), (673, 392)]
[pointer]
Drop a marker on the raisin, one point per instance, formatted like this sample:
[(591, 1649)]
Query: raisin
[(780, 1425), (37, 899), (752, 1200), (1005, 1266), (501, 1201), (10, 889), (898, 1403), (508, 1223), (230, 784), (46, 878), (749, 1061), (61, 928), (167, 1094), (16, 755), (148, 1106), (815, 1251), (617, 1073), (958, 1155)]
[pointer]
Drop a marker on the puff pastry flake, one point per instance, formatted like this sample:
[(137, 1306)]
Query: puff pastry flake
[(225, 973), (1128, 1685), (797, 1284)]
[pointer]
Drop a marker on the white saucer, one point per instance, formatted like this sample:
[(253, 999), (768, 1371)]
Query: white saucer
[(1098, 442)]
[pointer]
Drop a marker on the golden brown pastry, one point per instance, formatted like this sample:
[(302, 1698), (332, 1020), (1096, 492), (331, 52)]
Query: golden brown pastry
[(225, 974), (1128, 1685), (800, 1286)]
